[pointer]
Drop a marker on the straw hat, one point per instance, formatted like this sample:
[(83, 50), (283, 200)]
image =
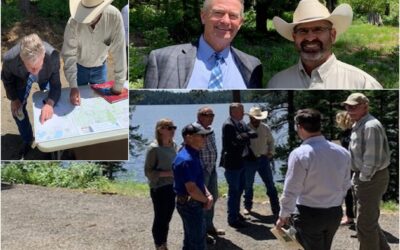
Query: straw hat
[(312, 10), (256, 113), (85, 11)]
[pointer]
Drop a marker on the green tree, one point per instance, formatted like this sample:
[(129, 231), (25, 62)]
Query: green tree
[(136, 141), (372, 8)]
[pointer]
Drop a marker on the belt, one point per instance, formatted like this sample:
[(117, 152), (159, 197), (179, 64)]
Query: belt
[(258, 156), (182, 199)]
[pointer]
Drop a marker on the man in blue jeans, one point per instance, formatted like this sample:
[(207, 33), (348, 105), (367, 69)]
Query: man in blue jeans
[(235, 140), (208, 158), (31, 60), (192, 196), (262, 149), (94, 30)]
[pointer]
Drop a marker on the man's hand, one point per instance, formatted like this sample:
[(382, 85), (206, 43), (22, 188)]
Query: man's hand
[(75, 97), (47, 111), (281, 222), (15, 106), (209, 203)]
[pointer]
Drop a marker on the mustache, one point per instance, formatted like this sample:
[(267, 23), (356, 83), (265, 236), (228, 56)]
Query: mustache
[(305, 43)]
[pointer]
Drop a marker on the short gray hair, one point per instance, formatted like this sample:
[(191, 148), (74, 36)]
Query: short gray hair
[(31, 48), (207, 6)]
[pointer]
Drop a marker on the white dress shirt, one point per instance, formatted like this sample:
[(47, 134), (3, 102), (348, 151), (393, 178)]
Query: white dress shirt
[(318, 176)]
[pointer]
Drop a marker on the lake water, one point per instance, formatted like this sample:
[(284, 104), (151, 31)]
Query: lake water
[(146, 117)]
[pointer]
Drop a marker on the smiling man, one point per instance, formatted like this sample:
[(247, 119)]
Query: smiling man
[(210, 62), (314, 30)]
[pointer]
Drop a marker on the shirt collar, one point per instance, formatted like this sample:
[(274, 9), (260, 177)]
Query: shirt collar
[(313, 139), (321, 70), (206, 52), (363, 120), (191, 150)]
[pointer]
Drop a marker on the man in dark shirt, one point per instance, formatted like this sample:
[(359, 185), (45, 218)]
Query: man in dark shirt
[(192, 195), (31, 60), (235, 145)]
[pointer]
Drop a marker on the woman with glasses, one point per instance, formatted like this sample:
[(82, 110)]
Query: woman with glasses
[(158, 170)]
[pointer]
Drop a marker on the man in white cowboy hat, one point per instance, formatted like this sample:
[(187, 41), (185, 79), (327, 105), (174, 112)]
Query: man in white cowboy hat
[(313, 32), (94, 29), (262, 148), (370, 158)]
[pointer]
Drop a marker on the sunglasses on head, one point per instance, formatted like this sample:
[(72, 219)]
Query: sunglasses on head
[(169, 127), (207, 114)]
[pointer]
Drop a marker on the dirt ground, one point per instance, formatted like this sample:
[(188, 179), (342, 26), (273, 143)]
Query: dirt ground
[(34, 217), (53, 34)]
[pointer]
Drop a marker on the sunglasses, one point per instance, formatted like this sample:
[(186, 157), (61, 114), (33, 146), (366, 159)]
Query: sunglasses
[(169, 127), (207, 114)]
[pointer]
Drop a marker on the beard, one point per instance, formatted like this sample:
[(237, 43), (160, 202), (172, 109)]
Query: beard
[(312, 50)]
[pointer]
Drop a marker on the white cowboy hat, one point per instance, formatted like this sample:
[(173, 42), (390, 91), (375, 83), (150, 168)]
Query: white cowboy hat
[(312, 10), (85, 11), (256, 113)]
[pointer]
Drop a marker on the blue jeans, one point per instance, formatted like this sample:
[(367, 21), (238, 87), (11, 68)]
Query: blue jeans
[(262, 166), (24, 126), (235, 179), (193, 225), (92, 75), (210, 180)]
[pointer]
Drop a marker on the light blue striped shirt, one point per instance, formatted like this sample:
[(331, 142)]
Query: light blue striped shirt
[(205, 61), (318, 176)]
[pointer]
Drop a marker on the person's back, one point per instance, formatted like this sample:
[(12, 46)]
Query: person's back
[(321, 180)]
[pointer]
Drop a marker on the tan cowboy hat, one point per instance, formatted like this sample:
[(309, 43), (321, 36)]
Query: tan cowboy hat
[(256, 113), (312, 10), (85, 11)]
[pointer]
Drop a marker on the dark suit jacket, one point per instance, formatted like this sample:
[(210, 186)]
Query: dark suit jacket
[(171, 67), (14, 74), (234, 142)]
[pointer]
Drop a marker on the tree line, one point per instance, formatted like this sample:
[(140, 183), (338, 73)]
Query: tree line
[(282, 106)]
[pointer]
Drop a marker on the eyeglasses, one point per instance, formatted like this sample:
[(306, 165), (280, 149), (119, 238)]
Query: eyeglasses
[(169, 127), (219, 14), (207, 114), (315, 30)]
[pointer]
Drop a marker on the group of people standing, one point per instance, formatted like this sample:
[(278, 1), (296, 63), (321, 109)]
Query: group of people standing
[(320, 174), (317, 181), (187, 177), (94, 30)]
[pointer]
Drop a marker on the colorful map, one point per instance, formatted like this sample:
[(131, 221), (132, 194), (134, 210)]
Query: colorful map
[(94, 115)]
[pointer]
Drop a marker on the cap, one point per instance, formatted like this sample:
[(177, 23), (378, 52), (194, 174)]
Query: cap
[(356, 98), (195, 128)]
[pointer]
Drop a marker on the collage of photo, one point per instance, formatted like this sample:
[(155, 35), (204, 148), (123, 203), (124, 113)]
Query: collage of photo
[(187, 124)]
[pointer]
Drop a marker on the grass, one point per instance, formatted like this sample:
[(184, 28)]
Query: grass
[(371, 48), (135, 189), (390, 206)]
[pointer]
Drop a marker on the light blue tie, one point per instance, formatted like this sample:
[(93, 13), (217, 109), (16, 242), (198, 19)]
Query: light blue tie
[(216, 73), (31, 80)]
